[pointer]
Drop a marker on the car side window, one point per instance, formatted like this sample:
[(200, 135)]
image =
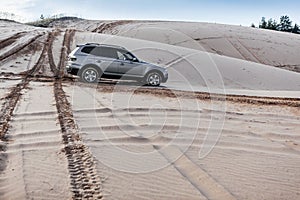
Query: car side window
[(129, 56), (107, 52), (96, 52), (87, 50), (121, 56), (125, 55)]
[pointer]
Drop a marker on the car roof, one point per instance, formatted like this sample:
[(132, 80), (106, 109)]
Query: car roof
[(102, 45)]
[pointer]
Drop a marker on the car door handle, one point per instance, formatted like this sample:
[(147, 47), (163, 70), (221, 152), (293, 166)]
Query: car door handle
[(121, 63), (98, 61)]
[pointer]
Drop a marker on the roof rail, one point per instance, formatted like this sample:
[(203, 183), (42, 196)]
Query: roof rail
[(92, 43), (108, 45)]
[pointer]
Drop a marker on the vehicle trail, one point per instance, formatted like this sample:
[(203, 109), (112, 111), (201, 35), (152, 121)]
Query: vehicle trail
[(13, 97), (8, 41), (165, 92), (65, 50), (205, 184), (85, 181), (51, 38), (200, 179), (8, 107), (20, 47), (105, 27)]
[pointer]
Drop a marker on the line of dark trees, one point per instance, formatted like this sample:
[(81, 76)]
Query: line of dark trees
[(285, 24)]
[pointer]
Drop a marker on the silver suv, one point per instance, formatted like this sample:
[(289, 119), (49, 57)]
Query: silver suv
[(94, 61)]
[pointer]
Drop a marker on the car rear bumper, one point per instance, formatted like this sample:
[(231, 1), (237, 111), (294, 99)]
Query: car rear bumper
[(72, 70)]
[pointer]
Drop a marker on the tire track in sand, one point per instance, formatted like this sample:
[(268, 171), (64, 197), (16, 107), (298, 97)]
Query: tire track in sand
[(19, 48), (51, 38), (25, 147), (8, 41), (200, 179), (244, 51), (13, 97), (85, 182), (204, 183), (10, 102), (110, 26)]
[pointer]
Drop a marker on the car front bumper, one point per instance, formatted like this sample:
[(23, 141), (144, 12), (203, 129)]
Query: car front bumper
[(165, 77)]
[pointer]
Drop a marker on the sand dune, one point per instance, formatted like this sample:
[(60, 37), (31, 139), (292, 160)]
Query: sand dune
[(255, 45), (200, 71), (189, 69), (225, 125)]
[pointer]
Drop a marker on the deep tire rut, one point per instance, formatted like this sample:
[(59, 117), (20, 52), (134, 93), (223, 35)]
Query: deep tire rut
[(68, 37), (19, 48), (51, 38), (8, 41), (13, 97), (104, 27), (85, 183), (84, 180)]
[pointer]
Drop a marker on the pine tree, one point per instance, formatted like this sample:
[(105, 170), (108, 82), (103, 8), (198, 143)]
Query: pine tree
[(285, 24), (272, 24), (296, 29), (253, 25), (263, 23)]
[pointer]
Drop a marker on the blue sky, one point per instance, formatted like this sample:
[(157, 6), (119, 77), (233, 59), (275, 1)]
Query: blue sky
[(238, 12)]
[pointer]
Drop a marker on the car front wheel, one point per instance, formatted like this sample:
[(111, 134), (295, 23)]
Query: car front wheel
[(154, 79), (89, 75)]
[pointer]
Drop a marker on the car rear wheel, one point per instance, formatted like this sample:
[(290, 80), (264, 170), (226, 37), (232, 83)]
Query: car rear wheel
[(154, 79), (89, 75)]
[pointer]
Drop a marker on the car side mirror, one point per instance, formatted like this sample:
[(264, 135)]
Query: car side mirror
[(135, 60)]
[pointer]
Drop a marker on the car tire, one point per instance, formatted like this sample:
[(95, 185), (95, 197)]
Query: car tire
[(89, 75), (153, 78)]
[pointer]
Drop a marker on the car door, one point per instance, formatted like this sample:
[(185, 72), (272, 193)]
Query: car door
[(129, 65), (106, 58)]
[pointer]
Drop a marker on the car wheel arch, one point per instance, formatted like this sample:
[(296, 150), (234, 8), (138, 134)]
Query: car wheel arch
[(154, 70), (93, 66)]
